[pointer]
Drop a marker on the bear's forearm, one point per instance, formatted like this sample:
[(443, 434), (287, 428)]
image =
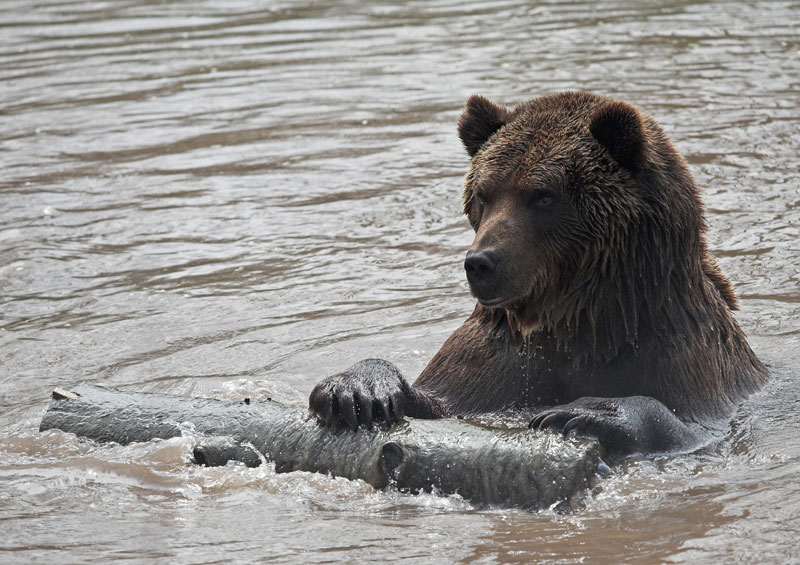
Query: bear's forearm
[(424, 405)]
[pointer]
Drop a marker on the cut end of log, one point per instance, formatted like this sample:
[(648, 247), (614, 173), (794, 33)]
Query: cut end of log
[(61, 394), (216, 452), (392, 455)]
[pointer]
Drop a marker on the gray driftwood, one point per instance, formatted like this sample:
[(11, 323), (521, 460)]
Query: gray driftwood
[(487, 466)]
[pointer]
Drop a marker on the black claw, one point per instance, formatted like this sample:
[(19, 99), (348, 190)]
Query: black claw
[(329, 415), (386, 411), (377, 415), (349, 412), (571, 425), (364, 410), (399, 406), (547, 421)]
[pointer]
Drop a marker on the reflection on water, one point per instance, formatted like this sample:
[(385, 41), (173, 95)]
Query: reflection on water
[(230, 199)]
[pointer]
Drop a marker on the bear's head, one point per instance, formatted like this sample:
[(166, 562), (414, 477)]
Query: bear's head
[(587, 222)]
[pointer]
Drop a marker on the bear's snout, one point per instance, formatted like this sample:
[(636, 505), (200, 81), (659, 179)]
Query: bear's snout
[(481, 268)]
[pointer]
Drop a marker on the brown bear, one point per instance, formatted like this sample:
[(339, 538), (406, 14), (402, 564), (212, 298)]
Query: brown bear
[(598, 304)]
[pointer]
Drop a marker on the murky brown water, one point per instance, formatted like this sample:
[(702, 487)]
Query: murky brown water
[(239, 198)]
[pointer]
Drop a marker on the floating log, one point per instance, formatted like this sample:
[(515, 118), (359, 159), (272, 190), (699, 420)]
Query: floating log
[(487, 466)]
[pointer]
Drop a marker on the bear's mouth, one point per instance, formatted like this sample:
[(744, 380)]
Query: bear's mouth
[(492, 302), (520, 315)]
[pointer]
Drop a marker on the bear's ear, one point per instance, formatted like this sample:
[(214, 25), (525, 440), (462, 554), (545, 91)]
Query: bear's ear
[(480, 119), (619, 128)]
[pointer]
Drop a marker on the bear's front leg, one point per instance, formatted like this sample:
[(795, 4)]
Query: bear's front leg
[(372, 390), (623, 426)]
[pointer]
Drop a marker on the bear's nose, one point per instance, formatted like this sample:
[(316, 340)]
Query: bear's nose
[(480, 267)]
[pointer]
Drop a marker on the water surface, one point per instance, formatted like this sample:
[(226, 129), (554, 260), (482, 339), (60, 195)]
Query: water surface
[(238, 198)]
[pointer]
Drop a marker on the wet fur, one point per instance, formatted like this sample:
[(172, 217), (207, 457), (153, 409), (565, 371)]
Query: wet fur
[(626, 299)]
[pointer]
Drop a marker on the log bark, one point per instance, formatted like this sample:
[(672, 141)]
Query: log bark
[(487, 466)]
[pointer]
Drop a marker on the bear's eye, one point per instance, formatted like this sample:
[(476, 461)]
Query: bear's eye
[(543, 198), (480, 199)]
